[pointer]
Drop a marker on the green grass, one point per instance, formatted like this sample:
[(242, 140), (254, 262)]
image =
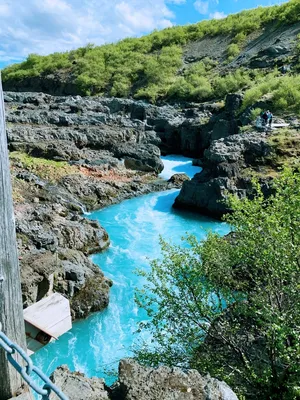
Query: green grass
[(282, 90), (286, 148), (50, 170)]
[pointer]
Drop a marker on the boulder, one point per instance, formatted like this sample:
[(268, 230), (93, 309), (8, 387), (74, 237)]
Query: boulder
[(78, 387), (50, 226), (68, 272), (207, 196), (144, 157), (274, 51), (137, 382), (224, 128), (94, 296), (178, 179), (233, 102), (223, 165)]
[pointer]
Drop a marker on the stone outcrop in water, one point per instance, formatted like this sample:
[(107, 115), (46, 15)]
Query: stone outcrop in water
[(53, 245), (224, 163), (178, 179), (141, 383), (237, 152)]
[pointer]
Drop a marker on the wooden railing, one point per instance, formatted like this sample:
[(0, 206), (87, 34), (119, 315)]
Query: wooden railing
[(11, 312)]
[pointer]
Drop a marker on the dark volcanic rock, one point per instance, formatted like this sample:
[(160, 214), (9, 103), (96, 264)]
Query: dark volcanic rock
[(66, 128), (69, 128), (145, 158), (52, 227), (54, 244), (114, 146), (226, 123), (178, 179), (93, 296), (224, 162)]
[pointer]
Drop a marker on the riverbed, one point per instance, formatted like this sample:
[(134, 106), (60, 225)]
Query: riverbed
[(95, 345)]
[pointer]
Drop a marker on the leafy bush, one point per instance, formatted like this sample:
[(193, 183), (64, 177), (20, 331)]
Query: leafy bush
[(256, 112), (233, 50), (231, 306), (283, 90), (231, 82), (239, 38)]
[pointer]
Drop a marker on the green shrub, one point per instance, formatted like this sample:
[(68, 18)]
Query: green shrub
[(202, 88), (181, 89), (230, 83), (233, 50), (256, 112), (231, 306), (239, 38), (283, 90)]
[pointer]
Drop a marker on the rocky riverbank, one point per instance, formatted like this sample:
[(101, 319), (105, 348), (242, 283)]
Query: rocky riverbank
[(74, 154), (138, 382), (70, 154), (238, 153)]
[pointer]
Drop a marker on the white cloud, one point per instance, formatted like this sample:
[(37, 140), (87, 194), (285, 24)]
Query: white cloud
[(218, 15), (201, 6), (4, 10), (55, 5), (46, 26), (140, 19), (176, 1)]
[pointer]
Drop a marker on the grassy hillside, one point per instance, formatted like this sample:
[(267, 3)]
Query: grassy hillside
[(153, 68)]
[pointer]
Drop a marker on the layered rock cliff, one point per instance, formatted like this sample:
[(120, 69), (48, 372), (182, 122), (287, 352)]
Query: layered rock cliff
[(69, 155)]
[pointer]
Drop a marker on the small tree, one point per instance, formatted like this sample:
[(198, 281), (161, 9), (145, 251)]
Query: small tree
[(230, 305)]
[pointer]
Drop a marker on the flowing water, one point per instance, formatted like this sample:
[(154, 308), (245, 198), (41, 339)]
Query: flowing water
[(95, 345)]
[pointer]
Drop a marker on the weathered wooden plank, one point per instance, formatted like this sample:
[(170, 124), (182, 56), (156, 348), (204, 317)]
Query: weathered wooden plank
[(51, 315), (11, 312)]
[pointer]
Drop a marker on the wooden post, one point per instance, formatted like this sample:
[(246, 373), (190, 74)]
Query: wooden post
[(11, 311)]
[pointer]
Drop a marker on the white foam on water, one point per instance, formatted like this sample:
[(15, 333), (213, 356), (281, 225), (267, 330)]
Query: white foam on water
[(79, 366), (175, 164)]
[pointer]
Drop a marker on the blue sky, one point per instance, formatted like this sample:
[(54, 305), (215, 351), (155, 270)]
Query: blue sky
[(46, 26)]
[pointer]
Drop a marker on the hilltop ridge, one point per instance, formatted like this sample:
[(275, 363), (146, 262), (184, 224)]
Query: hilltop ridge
[(199, 62)]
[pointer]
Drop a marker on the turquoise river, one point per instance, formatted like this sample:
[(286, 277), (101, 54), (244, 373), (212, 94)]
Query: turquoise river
[(95, 345)]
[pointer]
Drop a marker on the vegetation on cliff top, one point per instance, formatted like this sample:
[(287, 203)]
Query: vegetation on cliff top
[(49, 170), (231, 306), (151, 67)]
